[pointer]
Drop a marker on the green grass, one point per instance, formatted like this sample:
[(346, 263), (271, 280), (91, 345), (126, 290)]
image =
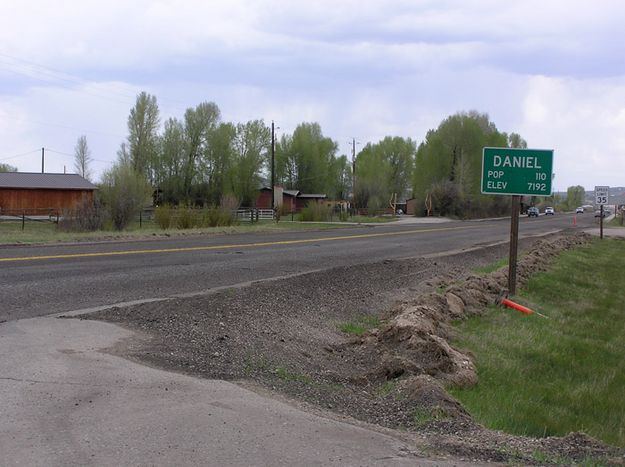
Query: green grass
[(543, 377), (47, 232), (287, 375), (372, 219), (360, 326), (492, 266)]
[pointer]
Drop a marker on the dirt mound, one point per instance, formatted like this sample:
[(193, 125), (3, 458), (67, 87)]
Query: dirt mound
[(414, 342)]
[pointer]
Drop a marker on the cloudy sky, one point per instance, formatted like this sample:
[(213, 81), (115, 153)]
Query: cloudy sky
[(551, 70)]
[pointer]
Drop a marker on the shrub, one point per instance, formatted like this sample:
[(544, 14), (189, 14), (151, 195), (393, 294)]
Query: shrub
[(164, 216), (218, 217), (124, 192), (315, 212), (186, 218), (87, 216), (229, 203)]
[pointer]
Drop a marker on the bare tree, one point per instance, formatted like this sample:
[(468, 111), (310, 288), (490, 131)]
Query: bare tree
[(82, 158)]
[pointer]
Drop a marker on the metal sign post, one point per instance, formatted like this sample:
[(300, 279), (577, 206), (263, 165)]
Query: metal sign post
[(516, 173), (602, 195), (514, 242)]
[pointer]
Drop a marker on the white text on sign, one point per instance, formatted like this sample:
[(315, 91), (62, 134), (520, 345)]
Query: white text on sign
[(516, 161)]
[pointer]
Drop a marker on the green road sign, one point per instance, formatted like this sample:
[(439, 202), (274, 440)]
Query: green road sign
[(509, 171)]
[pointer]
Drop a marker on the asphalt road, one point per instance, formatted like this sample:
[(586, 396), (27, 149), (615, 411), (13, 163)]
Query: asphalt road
[(41, 280), (64, 401)]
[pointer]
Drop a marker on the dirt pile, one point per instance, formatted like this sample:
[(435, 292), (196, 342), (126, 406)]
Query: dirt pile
[(414, 342)]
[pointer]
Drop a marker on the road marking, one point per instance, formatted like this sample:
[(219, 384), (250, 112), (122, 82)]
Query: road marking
[(228, 247)]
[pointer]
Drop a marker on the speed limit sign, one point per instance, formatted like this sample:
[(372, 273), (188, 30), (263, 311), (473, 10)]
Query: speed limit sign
[(601, 195)]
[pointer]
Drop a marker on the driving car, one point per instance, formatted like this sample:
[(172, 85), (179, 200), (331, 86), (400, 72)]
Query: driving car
[(579, 210), (532, 212), (550, 210)]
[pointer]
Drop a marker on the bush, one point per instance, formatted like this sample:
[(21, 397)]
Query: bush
[(229, 203), (316, 212), (87, 216), (124, 193), (164, 216), (186, 218), (445, 198), (218, 217)]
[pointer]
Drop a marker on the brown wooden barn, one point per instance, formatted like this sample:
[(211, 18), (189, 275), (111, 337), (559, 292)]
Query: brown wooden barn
[(42, 193), (287, 200)]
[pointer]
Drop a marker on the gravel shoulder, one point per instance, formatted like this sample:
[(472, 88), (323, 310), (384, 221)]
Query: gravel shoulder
[(369, 342)]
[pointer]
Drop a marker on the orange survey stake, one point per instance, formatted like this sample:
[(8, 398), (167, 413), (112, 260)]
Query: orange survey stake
[(516, 306)]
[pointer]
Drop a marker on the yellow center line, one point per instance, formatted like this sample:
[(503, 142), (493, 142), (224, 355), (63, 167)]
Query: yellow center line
[(229, 247)]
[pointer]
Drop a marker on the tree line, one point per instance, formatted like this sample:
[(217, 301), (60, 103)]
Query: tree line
[(200, 160)]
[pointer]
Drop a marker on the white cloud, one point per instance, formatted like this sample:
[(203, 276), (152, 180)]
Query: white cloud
[(366, 68), (583, 121)]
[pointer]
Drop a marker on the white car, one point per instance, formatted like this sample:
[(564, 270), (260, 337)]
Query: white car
[(549, 210), (579, 210)]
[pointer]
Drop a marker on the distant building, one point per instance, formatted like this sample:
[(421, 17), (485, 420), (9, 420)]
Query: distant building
[(42, 193), (287, 200)]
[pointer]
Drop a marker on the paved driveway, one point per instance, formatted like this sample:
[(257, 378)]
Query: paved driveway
[(65, 402)]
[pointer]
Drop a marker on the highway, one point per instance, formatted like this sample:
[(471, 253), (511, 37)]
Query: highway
[(41, 280)]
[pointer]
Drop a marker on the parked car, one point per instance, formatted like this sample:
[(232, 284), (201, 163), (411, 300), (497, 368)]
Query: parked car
[(579, 210), (550, 210), (532, 212)]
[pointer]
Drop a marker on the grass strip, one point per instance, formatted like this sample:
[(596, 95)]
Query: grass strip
[(46, 232), (543, 377)]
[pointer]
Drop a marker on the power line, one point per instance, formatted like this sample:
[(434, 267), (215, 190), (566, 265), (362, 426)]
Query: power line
[(82, 130), (34, 70), (19, 155), (42, 73), (73, 155)]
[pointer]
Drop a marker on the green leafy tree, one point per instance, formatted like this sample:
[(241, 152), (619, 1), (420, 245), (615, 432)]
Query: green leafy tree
[(515, 141), (252, 145), (453, 153), (124, 192), (199, 124), (340, 178), (170, 163), (304, 159), (384, 169), (7, 168), (82, 158), (575, 196), (216, 165), (143, 125)]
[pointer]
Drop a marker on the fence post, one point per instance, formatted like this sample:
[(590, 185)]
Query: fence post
[(140, 219), (23, 219)]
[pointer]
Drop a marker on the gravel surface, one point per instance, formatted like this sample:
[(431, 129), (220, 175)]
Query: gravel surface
[(300, 337)]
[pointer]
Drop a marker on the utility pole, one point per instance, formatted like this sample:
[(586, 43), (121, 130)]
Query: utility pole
[(42, 159), (354, 171), (273, 165)]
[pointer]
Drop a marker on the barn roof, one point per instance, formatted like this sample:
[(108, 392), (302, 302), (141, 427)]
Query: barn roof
[(33, 181), (312, 195)]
